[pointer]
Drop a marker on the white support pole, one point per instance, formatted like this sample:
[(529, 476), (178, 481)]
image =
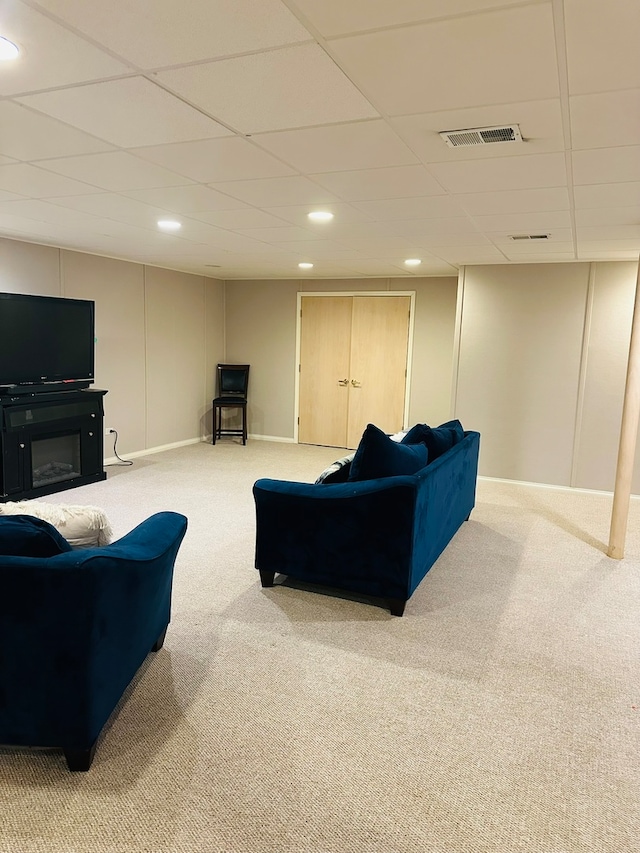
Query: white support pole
[(628, 438)]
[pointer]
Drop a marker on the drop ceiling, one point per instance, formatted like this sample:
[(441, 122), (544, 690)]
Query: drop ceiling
[(238, 117)]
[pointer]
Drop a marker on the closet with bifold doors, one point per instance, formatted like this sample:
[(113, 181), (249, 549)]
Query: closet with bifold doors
[(353, 365)]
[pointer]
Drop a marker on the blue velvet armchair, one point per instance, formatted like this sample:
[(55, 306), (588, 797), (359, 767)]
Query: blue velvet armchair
[(75, 626)]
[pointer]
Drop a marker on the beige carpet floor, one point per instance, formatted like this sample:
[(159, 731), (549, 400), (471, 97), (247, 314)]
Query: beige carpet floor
[(501, 714)]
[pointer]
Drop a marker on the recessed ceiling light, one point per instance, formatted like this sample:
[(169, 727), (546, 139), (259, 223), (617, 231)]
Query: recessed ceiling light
[(169, 224), (305, 266), (320, 215), (8, 50), (413, 262)]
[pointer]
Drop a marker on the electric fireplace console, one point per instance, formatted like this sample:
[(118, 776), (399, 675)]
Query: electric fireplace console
[(49, 442)]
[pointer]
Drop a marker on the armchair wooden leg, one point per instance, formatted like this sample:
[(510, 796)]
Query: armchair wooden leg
[(266, 578), (160, 641), (396, 606), (79, 760)]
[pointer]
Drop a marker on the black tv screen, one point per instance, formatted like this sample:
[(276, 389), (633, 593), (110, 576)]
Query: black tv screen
[(45, 339)]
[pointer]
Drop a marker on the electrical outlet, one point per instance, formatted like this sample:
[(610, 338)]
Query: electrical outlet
[(108, 430)]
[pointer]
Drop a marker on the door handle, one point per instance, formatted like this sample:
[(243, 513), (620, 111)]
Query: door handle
[(356, 384), (343, 382)]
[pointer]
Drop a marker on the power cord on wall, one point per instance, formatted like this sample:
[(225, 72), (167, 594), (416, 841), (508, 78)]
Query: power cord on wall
[(115, 452)]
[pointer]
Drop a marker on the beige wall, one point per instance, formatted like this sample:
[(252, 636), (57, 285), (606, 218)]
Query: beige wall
[(609, 333), (539, 366), (158, 333), (541, 371), (261, 330)]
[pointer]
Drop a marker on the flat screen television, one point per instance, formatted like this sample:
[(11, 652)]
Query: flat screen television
[(46, 339)]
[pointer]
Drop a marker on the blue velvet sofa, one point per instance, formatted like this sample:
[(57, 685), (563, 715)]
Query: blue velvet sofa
[(75, 626), (375, 535)]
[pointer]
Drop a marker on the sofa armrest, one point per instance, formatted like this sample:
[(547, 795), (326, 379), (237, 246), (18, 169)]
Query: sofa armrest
[(353, 535)]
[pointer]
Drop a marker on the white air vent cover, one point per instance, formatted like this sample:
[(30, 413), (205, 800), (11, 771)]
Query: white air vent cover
[(481, 135), (529, 236)]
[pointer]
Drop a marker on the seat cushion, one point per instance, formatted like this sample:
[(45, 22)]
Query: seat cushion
[(27, 536), (437, 440), (379, 456)]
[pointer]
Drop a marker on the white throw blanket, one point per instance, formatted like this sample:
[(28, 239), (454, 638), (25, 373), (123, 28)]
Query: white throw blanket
[(81, 526)]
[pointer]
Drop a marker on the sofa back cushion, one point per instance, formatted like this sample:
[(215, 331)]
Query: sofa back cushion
[(26, 536), (437, 440), (379, 456)]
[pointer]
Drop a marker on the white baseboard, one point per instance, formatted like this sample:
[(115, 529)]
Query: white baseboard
[(136, 454), (572, 489), (272, 438)]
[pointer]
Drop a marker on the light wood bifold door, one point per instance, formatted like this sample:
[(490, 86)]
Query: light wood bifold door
[(353, 367)]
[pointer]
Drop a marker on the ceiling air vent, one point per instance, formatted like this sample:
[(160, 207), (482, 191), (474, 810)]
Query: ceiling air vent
[(481, 135), (529, 236)]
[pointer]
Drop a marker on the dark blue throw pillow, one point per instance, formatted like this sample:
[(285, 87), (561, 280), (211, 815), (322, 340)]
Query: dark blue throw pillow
[(436, 439), (27, 536), (379, 456)]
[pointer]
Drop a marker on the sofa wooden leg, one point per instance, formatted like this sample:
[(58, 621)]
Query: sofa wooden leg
[(266, 577), (79, 760), (160, 641), (396, 606)]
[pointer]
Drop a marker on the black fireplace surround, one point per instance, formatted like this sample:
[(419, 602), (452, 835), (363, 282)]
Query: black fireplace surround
[(50, 442)]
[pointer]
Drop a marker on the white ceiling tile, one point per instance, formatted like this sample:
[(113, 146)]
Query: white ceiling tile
[(281, 234), (317, 249), (349, 230), (587, 254), (471, 254), (338, 148), (628, 245), (454, 240), (540, 124), (607, 195), (602, 44), (393, 182), (188, 199), (375, 269), (44, 211), (370, 246), (334, 17), (496, 59), (5, 196), (27, 135), (509, 173), (168, 33), (130, 112), (609, 232), (115, 171), (32, 181), (547, 258), (210, 160), (423, 229), (431, 207), (345, 215), (290, 87), (247, 217), (274, 192), (606, 119), (606, 165), (51, 55), (519, 223), (514, 201), (608, 216), (123, 211)]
